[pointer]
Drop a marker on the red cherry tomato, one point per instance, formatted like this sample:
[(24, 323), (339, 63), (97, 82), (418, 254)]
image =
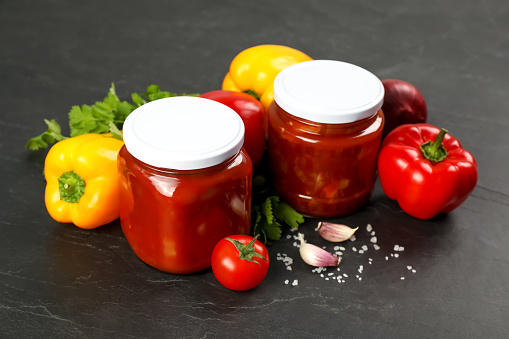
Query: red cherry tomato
[(251, 111), (240, 262)]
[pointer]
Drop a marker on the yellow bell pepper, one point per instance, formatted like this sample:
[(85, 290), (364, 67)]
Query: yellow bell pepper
[(82, 180), (253, 70)]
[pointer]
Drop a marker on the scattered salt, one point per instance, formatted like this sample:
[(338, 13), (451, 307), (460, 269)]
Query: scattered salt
[(402, 278), (353, 238), (376, 247), (295, 282), (364, 248), (369, 228), (361, 251), (413, 271), (287, 282), (341, 248), (373, 240), (354, 249), (409, 267), (288, 268), (396, 255), (336, 248), (330, 274), (373, 233)]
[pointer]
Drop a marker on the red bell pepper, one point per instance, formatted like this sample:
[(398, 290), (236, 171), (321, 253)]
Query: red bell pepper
[(425, 170), (251, 112)]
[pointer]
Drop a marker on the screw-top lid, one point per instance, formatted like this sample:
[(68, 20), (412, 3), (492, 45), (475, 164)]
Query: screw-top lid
[(328, 91), (183, 133)]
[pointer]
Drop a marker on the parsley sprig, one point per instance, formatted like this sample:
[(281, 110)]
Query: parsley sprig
[(102, 117), (269, 213)]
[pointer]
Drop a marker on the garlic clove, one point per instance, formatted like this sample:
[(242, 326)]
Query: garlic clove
[(335, 232), (316, 256)]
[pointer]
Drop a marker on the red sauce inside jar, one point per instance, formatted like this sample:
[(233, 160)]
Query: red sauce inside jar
[(323, 169), (325, 128), (185, 181), (173, 219)]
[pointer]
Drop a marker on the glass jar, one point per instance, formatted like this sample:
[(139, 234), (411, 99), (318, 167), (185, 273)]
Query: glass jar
[(325, 128), (185, 181)]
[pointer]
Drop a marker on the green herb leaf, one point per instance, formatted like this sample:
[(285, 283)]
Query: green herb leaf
[(289, 215), (115, 132), (52, 135)]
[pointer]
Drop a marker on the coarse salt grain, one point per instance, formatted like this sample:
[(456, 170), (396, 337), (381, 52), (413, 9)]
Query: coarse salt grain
[(376, 247), (413, 271), (354, 249), (295, 282), (353, 238), (288, 268), (364, 248), (402, 278), (287, 282), (396, 255), (409, 267), (341, 248), (336, 248), (330, 274), (369, 228), (373, 233), (361, 251), (373, 240), (396, 247)]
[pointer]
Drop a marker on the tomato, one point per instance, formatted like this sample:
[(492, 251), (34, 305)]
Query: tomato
[(251, 112), (240, 262)]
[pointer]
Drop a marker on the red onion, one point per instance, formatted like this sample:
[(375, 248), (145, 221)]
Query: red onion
[(403, 104)]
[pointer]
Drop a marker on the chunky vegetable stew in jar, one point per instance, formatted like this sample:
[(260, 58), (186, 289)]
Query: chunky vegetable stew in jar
[(185, 181), (325, 127)]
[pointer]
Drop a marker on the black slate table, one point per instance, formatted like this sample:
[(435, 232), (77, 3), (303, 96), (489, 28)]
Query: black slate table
[(450, 281)]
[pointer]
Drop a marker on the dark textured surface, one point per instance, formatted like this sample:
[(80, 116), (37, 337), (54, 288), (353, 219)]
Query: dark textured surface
[(58, 281)]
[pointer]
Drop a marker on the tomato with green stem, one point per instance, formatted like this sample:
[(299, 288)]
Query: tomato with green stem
[(240, 262)]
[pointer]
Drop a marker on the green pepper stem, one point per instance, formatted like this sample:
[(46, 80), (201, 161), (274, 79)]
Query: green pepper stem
[(435, 151), (71, 187), (252, 93)]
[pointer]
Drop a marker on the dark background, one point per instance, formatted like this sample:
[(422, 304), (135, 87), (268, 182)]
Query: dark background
[(58, 281)]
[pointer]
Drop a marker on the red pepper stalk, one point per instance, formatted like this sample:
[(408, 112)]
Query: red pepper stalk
[(426, 170)]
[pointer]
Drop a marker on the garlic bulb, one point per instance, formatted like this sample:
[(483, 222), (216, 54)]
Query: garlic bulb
[(335, 232), (316, 256)]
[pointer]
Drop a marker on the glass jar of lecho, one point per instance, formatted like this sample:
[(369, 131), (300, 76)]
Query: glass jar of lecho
[(185, 181), (325, 128)]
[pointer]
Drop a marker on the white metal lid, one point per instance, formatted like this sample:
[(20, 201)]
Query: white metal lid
[(183, 133), (328, 91)]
